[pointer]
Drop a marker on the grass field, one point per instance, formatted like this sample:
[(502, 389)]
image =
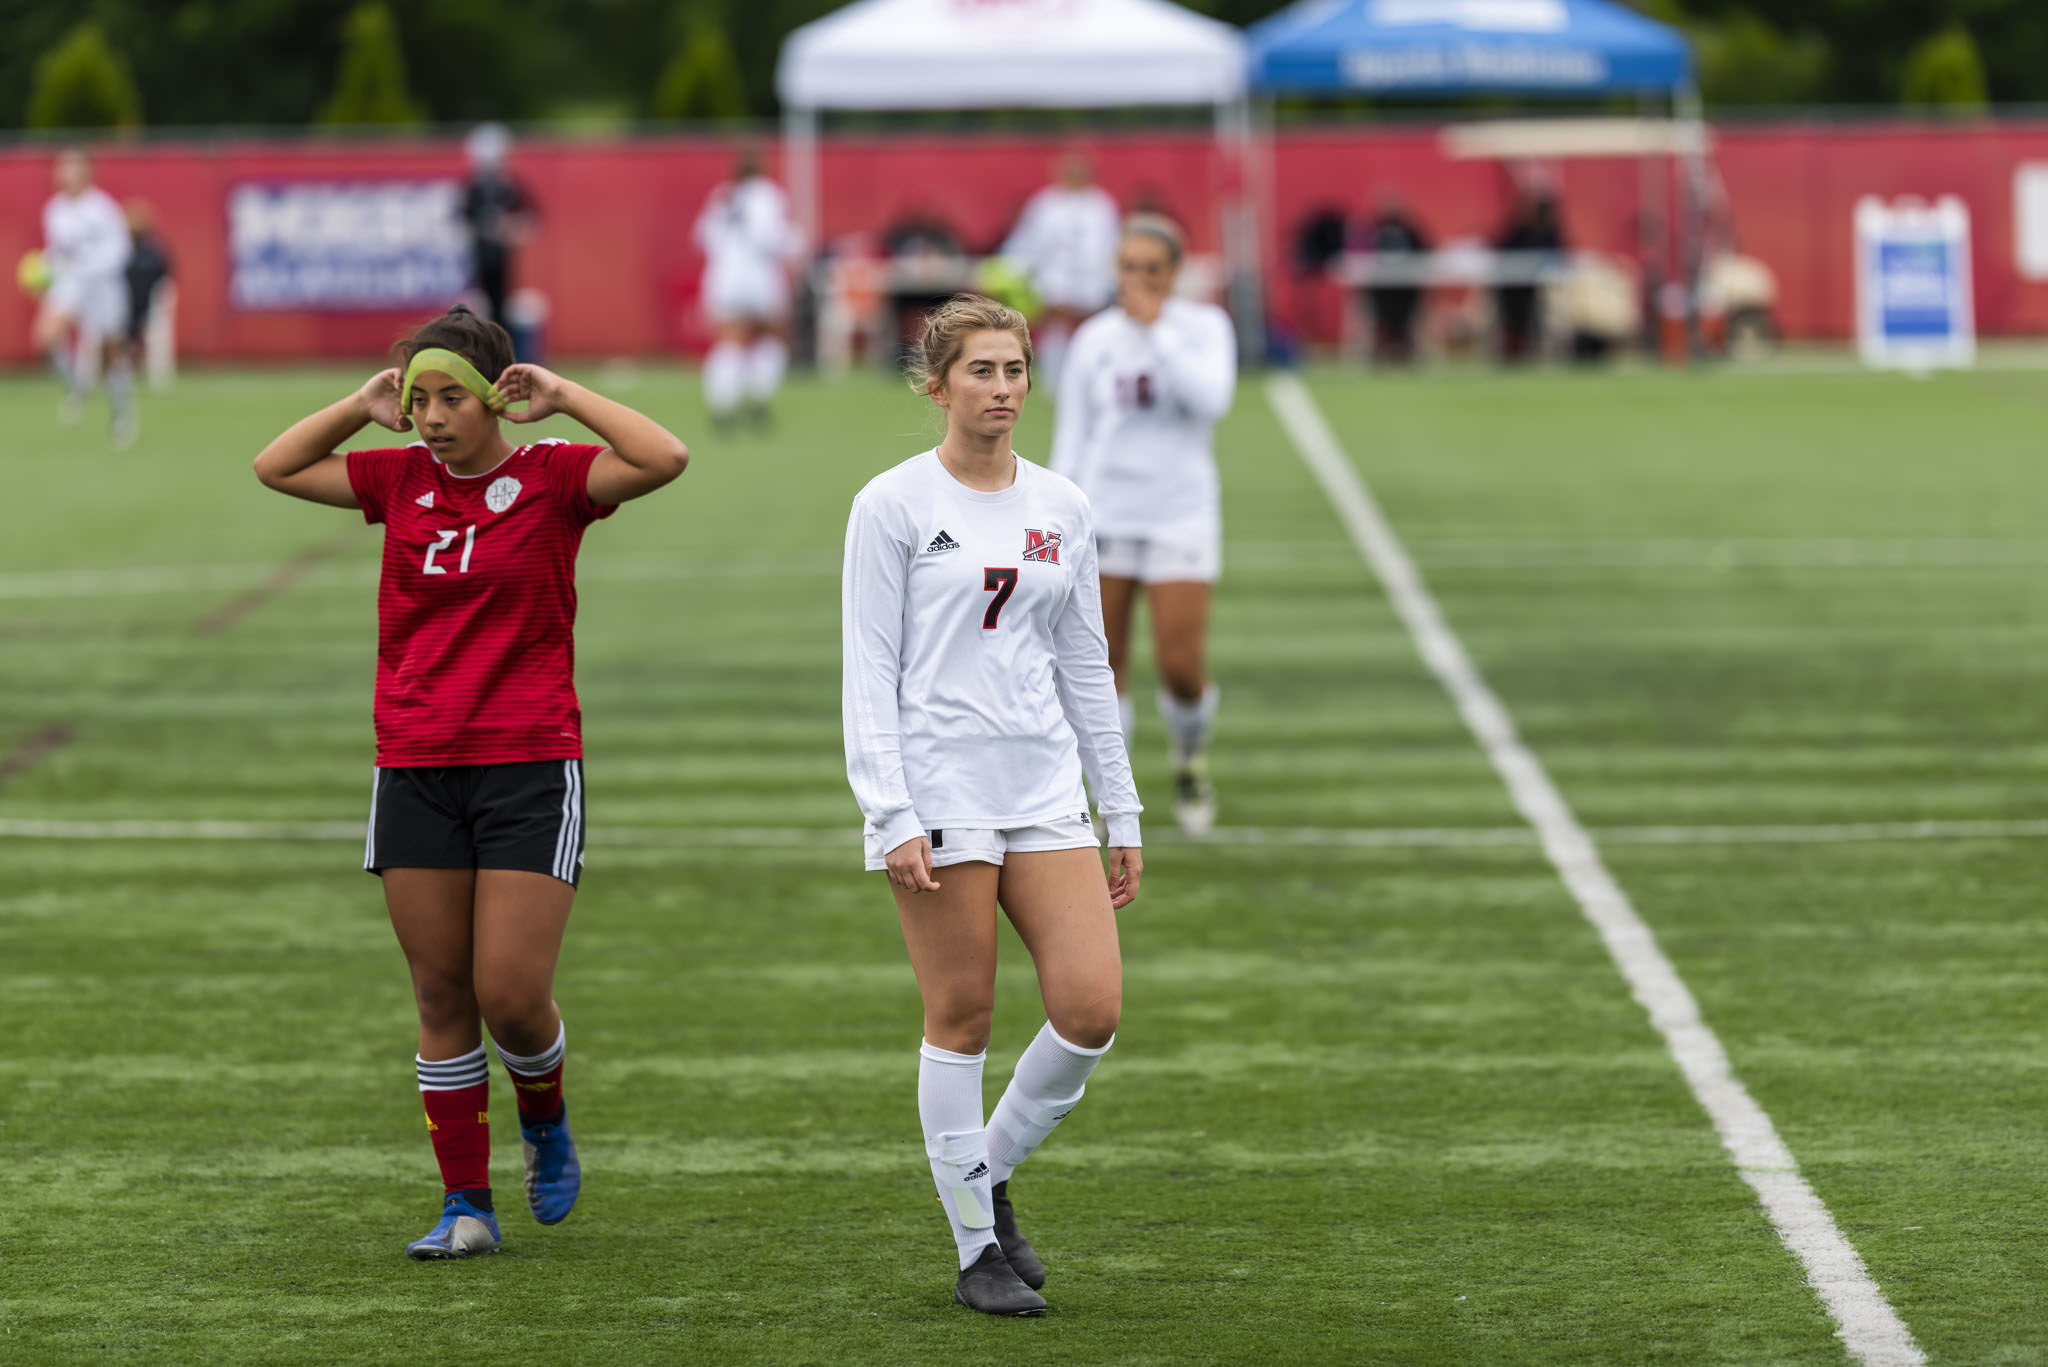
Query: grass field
[(1380, 1094)]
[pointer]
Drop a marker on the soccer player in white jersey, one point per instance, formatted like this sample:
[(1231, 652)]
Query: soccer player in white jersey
[(1147, 381), (977, 691), (748, 242), (84, 317), (1065, 240)]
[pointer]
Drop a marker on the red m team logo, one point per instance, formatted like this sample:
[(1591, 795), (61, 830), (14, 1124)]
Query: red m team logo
[(1041, 546)]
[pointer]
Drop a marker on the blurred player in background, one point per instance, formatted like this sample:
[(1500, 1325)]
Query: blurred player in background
[(748, 243), (148, 269), (1065, 239), (977, 690), (1148, 381), (498, 212), (476, 814), (83, 324)]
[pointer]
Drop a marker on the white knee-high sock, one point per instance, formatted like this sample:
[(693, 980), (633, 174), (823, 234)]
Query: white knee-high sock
[(725, 376), (1189, 722), (949, 1104), (121, 389), (1127, 713), (766, 361), (1048, 1083)]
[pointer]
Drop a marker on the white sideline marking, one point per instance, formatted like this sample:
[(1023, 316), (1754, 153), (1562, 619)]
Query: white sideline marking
[(1865, 1322), (1309, 837), (1314, 837)]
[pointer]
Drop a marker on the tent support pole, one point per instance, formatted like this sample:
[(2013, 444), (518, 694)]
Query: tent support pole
[(1689, 114), (800, 172), (1242, 256)]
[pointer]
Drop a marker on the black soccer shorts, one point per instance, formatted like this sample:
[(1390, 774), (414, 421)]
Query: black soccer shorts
[(526, 816)]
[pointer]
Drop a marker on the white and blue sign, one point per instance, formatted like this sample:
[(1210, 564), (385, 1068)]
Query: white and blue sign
[(1914, 303), (346, 245)]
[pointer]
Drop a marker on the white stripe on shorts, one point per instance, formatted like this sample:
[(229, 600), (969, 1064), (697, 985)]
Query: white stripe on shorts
[(370, 836), (569, 841)]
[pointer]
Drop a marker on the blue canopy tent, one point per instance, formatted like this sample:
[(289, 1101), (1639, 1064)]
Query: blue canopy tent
[(1556, 49), (1573, 48)]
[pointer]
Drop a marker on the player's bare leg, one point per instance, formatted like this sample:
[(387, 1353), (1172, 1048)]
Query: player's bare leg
[(950, 932), (1119, 608), (520, 920), (1187, 697), (1059, 902), (431, 911)]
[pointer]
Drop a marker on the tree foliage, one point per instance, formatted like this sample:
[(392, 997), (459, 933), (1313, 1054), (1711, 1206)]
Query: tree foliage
[(370, 88), (1944, 72), (251, 62), (83, 83), (703, 81)]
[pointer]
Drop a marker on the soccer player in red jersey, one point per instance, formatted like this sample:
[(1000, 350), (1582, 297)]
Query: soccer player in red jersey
[(476, 815)]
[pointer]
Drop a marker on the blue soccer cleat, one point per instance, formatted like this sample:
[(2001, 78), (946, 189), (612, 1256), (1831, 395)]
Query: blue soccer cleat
[(463, 1230), (554, 1177)]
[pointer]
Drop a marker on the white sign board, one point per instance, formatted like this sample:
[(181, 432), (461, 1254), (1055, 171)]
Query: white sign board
[(340, 245), (1914, 303), (2030, 219)]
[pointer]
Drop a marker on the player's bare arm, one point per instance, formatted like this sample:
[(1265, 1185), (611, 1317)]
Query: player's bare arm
[(301, 461), (640, 456)]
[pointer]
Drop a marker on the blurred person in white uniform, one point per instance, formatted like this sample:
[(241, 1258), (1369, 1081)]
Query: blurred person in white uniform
[(1147, 381), (748, 242), (1066, 240), (977, 694), (83, 322)]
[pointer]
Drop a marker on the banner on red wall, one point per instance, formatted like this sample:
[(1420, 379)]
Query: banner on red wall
[(345, 244)]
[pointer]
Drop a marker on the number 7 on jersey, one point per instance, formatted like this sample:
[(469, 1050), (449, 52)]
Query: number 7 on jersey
[(1002, 583)]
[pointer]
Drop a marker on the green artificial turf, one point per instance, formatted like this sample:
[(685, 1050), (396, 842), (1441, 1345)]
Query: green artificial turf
[(1372, 1105)]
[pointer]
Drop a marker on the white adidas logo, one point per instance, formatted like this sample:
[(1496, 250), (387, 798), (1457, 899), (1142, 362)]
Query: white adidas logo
[(426, 500)]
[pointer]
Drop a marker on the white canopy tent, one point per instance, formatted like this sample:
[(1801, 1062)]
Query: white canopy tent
[(1010, 54)]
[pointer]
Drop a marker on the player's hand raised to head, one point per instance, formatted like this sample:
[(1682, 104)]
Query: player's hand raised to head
[(1126, 866), (535, 386), (910, 866), (385, 405)]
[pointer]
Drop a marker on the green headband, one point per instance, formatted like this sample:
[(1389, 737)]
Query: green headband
[(439, 358)]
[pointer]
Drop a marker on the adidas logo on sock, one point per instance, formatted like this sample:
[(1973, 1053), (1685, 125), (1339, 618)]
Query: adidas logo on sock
[(980, 1171), (942, 542)]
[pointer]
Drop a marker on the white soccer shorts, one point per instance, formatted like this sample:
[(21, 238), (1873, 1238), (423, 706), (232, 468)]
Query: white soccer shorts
[(962, 844), (1179, 555), (744, 293), (97, 302)]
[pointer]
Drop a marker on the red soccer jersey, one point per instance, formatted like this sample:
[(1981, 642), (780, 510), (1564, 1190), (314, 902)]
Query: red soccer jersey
[(476, 608)]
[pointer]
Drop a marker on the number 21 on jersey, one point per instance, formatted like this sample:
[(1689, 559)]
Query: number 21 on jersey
[(468, 535)]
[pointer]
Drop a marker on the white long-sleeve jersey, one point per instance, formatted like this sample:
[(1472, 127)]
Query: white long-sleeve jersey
[(977, 685), (1066, 239), (1137, 410), (85, 235), (744, 227)]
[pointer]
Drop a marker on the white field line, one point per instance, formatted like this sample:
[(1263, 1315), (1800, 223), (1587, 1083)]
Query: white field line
[(1869, 1328), (1457, 553), (1306, 837)]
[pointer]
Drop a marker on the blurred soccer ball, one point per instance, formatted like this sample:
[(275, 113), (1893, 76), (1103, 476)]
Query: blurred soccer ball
[(1007, 283), (33, 274)]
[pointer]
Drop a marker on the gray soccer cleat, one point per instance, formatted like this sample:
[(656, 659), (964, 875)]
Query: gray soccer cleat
[(992, 1286), (1023, 1258)]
